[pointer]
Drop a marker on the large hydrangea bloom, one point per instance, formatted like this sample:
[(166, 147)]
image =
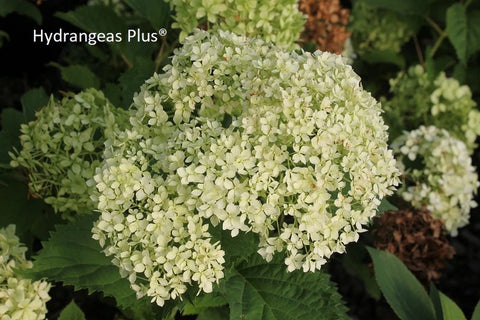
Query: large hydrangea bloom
[(418, 99), (20, 299), (439, 174), (277, 21), (62, 147), (241, 133)]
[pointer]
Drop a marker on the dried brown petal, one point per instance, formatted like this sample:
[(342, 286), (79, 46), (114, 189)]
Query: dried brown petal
[(326, 24), (417, 239)]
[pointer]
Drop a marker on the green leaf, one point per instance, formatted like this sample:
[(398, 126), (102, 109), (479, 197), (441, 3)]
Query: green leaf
[(94, 19), (384, 206), (74, 258), (71, 312), (78, 76), (457, 30), (219, 313), (476, 312), (33, 218), (355, 263), (437, 303), (473, 35), (202, 302), (450, 309), (413, 7), (402, 290), (22, 7), (131, 80), (387, 56), (157, 12), (237, 248), (258, 290), (32, 101)]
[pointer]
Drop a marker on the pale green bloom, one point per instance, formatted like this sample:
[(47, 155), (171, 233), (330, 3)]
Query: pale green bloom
[(20, 299), (62, 147), (442, 102), (240, 133), (439, 175), (277, 21)]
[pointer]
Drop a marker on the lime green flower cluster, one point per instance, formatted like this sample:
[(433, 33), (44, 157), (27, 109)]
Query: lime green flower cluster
[(278, 21), (376, 29), (240, 133), (62, 147), (20, 299), (439, 175), (442, 102)]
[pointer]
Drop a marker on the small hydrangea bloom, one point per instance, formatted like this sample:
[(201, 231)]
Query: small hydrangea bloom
[(62, 147), (20, 299), (439, 175), (375, 29), (277, 21), (417, 99), (241, 133)]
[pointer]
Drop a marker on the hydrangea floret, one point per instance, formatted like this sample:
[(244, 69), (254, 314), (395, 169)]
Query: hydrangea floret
[(20, 299), (240, 133), (62, 146), (277, 21), (376, 29), (418, 99), (439, 175)]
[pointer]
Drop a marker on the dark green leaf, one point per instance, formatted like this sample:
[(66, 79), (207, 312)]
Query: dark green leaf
[(74, 258), (236, 248), (457, 30), (157, 12), (391, 57), (473, 36), (476, 312), (402, 290), (71, 312), (133, 78), (94, 19), (266, 291), (33, 218), (220, 313), (384, 206), (355, 263), (437, 303), (22, 7), (204, 301), (450, 309), (401, 6), (78, 76), (32, 101)]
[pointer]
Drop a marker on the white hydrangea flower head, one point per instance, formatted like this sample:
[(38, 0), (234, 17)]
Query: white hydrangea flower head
[(439, 175), (277, 21), (20, 299), (419, 99), (240, 133), (62, 147)]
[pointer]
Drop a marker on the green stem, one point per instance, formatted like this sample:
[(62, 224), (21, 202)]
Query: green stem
[(437, 44)]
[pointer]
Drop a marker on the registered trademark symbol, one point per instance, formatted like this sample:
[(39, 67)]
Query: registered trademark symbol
[(162, 32)]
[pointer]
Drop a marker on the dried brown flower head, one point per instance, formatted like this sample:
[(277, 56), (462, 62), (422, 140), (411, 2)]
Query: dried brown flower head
[(326, 24), (417, 239)]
